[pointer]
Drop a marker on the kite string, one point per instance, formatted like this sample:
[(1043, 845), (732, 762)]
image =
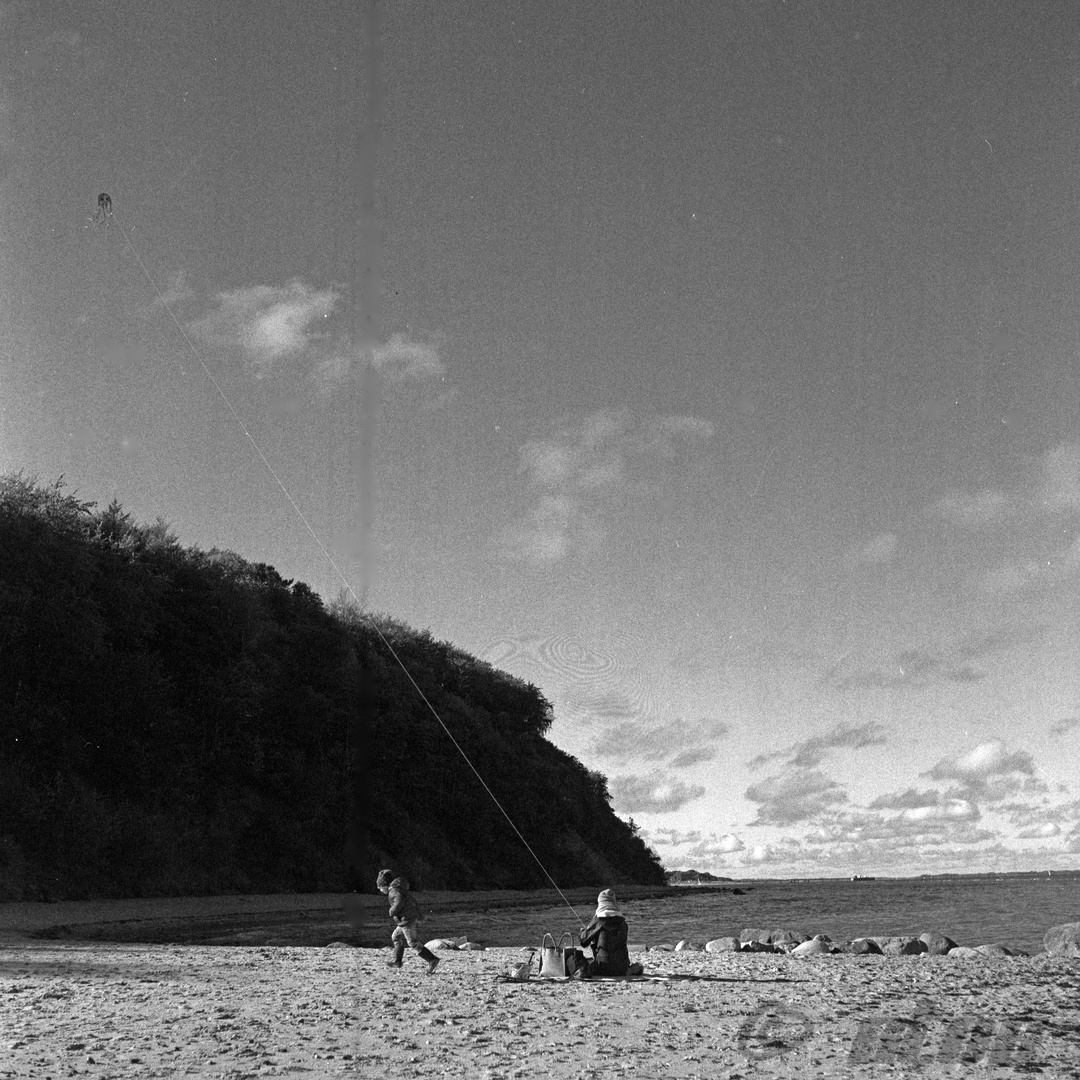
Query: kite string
[(330, 559)]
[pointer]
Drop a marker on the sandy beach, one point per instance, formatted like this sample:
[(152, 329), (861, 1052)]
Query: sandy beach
[(76, 1008)]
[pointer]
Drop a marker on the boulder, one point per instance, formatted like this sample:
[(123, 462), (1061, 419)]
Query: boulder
[(861, 947), (962, 952), (937, 944), (754, 935), (756, 946), (723, 944), (662, 948), (472, 946), (818, 945), (901, 946), (788, 937), (688, 946), (994, 950), (1063, 940), (337, 945), (441, 943)]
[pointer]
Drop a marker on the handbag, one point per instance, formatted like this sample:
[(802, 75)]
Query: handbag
[(553, 958)]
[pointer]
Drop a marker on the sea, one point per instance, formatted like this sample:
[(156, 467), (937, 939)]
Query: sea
[(1014, 910)]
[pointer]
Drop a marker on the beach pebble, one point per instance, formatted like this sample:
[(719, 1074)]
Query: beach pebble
[(1063, 940), (818, 945), (937, 944), (722, 944)]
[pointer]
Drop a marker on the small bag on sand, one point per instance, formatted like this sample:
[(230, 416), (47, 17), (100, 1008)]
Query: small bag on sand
[(553, 957)]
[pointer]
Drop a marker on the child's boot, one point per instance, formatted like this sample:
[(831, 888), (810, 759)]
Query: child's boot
[(430, 959), (399, 953)]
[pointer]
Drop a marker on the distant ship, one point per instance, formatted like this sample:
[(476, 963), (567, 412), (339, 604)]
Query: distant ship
[(862, 877)]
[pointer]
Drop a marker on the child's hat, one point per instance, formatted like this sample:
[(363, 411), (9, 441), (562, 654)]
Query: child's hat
[(384, 878)]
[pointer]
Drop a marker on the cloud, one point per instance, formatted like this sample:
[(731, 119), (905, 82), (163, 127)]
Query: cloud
[(176, 292), (792, 797), (809, 753), (266, 323), (1040, 832), (399, 360), (919, 666), (569, 474), (670, 837), (977, 510), (403, 359), (1061, 478), (989, 772), (694, 756), (628, 731), (1063, 727), (879, 549), (652, 794)]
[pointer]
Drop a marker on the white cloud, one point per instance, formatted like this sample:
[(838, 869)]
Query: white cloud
[(575, 467), (267, 323), (402, 358), (794, 796), (974, 510), (176, 292), (879, 549), (653, 794), (809, 753), (1061, 478)]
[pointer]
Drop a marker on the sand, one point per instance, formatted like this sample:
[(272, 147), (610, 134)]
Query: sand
[(95, 1009)]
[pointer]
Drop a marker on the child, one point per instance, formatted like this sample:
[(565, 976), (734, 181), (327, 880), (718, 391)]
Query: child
[(405, 911)]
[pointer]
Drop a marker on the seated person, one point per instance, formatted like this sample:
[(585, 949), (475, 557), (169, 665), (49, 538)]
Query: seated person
[(606, 936)]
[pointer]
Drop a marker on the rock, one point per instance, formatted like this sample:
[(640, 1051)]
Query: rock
[(963, 951), (756, 946), (818, 945), (788, 937), (754, 935), (472, 946), (861, 947), (337, 945), (937, 944), (723, 944), (661, 948), (901, 946), (1063, 940), (688, 946), (994, 950), (441, 943)]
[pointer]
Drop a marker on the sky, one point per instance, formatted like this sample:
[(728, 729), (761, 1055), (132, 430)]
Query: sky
[(714, 365)]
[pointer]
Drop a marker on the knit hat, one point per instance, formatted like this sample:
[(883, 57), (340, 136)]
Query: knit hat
[(384, 879), (605, 904)]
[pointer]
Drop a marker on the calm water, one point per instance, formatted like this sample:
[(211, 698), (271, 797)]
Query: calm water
[(1015, 911)]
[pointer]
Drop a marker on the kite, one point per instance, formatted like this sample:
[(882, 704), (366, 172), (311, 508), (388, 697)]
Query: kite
[(104, 213)]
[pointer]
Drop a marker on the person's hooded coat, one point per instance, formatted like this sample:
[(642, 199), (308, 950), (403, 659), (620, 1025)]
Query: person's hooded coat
[(403, 906), (606, 935)]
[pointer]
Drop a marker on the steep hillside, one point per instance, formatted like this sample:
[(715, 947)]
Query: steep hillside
[(176, 721)]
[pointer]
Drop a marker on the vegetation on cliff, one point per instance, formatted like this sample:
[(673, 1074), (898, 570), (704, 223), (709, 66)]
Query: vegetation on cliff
[(177, 721)]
